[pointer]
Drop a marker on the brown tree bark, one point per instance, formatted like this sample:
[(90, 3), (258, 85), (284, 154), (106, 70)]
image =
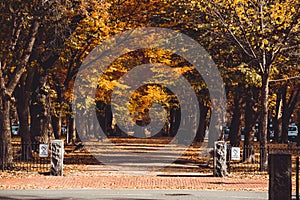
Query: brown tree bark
[(6, 157), (235, 126), (278, 117), (202, 122), (6, 91), (56, 125), (41, 129), (287, 110), (71, 126), (248, 153), (174, 121), (264, 122), (23, 115)]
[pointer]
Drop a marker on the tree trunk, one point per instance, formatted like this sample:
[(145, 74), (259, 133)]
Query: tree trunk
[(285, 116), (264, 121), (6, 90), (278, 117), (23, 96), (6, 157), (284, 127), (71, 126), (288, 107), (41, 129), (235, 126), (248, 153), (298, 124), (81, 125), (174, 121), (56, 114), (96, 127), (202, 123), (104, 116), (24, 130), (56, 125)]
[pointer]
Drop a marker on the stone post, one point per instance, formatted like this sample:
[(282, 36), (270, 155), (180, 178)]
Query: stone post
[(220, 168), (280, 182), (57, 157)]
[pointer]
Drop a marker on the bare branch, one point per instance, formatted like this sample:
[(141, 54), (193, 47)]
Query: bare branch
[(25, 58), (218, 15), (285, 79)]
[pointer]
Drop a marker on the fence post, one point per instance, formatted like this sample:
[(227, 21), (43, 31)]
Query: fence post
[(2, 154), (260, 157), (297, 178), (228, 158), (280, 182)]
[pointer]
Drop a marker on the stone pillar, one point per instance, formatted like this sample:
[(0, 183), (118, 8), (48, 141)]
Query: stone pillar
[(220, 168), (280, 182), (57, 157)]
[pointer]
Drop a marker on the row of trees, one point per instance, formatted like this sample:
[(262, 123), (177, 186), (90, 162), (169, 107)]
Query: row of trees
[(255, 45)]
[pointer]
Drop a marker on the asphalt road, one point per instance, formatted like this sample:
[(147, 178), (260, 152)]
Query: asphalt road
[(130, 194)]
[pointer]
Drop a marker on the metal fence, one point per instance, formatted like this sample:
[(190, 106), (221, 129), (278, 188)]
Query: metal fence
[(250, 160), (26, 157), (250, 156)]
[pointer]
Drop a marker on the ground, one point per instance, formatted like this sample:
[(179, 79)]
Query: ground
[(80, 171)]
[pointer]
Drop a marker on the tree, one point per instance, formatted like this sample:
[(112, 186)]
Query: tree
[(90, 31), (263, 31), (21, 30), (25, 46)]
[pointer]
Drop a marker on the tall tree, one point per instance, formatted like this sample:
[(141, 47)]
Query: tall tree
[(263, 30), (24, 44), (20, 24)]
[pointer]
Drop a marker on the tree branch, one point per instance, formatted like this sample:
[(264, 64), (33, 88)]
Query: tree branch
[(25, 58)]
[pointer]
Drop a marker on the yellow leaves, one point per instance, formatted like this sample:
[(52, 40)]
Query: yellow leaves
[(12, 69), (250, 11), (264, 45), (272, 101), (182, 70), (143, 99), (265, 42), (95, 15), (236, 2), (274, 71), (82, 36), (293, 10), (275, 37)]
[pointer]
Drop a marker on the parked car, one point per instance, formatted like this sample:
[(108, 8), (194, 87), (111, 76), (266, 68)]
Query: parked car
[(226, 133), (64, 130), (15, 130), (292, 133)]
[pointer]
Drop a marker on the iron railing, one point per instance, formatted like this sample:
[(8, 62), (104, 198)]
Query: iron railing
[(25, 157)]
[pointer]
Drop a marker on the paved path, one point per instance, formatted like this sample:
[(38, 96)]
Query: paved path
[(131, 195), (119, 181)]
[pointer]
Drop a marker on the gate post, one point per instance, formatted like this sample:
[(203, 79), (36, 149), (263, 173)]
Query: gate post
[(297, 178), (280, 182), (57, 157), (220, 168)]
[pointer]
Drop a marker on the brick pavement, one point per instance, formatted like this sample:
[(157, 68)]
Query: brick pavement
[(102, 177), (133, 182)]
